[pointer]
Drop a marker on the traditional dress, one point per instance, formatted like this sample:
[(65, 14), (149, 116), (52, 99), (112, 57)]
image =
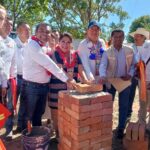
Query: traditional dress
[(72, 69)]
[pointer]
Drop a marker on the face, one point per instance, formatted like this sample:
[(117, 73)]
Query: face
[(65, 44), (139, 39), (52, 42), (56, 34), (93, 33), (43, 33), (24, 32), (2, 17), (117, 39), (8, 25)]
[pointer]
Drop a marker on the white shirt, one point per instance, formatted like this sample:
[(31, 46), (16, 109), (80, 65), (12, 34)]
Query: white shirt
[(19, 54), (36, 63), (144, 54), (84, 53), (7, 53)]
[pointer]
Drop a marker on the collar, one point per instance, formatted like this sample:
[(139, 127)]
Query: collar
[(37, 40)]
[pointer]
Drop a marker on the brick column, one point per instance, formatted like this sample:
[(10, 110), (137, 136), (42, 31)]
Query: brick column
[(135, 138), (85, 121)]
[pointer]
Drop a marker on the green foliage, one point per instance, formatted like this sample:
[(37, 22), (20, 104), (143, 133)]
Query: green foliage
[(143, 21), (31, 11), (76, 14), (65, 15)]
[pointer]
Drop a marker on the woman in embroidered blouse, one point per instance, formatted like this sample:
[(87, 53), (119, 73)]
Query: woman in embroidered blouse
[(69, 61)]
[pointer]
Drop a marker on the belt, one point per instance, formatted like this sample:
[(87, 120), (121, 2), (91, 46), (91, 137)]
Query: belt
[(34, 84)]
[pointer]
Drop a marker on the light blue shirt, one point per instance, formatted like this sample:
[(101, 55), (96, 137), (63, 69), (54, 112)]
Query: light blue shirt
[(121, 69)]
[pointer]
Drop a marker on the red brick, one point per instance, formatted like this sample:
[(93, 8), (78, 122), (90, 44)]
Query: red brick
[(106, 144), (96, 113), (96, 126), (107, 104), (79, 145), (129, 131), (101, 138), (107, 111), (81, 130), (106, 118), (106, 131), (66, 116), (67, 141), (86, 136), (102, 97), (135, 131), (142, 132), (135, 145)]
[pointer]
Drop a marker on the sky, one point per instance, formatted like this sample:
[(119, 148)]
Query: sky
[(135, 9)]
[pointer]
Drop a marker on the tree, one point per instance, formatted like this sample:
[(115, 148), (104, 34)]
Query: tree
[(31, 11), (143, 22), (76, 14)]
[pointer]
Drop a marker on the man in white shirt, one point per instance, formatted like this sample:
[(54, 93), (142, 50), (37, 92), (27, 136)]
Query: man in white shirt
[(22, 39), (9, 59), (91, 50), (140, 36), (143, 53), (3, 77), (35, 76)]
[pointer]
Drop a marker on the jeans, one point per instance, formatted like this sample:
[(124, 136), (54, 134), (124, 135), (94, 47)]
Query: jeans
[(134, 84), (33, 101), (123, 105), (9, 104), (21, 110)]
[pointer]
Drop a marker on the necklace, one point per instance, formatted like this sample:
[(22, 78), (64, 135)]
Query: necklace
[(68, 64)]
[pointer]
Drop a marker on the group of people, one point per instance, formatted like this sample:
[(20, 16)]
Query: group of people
[(46, 63)]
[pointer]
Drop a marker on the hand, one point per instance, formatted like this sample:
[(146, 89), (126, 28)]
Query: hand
[(125, 78), (102, 80), (71, 83)]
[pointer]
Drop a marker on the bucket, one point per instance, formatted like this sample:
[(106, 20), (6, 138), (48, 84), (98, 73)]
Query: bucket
[(38, 139)]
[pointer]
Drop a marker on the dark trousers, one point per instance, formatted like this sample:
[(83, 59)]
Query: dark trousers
[(123, 105), (134, 84), (33, 101)]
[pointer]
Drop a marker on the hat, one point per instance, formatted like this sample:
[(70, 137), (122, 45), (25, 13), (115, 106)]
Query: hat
[(93, 23), (141, 31)]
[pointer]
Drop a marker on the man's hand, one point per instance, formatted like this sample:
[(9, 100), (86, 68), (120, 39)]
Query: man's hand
[(102, 80), (125, 78), (71, 83)]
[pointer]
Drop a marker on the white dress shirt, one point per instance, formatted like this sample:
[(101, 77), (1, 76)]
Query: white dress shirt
[(19, 54), (84, 53), (144, 54), (36, 63), (7, 53)]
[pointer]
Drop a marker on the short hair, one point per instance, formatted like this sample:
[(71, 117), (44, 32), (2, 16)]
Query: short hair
[(117, 31), (37, 27), (65, 34), (21, 23)]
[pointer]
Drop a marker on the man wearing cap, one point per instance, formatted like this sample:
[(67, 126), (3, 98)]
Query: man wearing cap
[(117, 63), (142, 50), (139, 36), (91, 50)]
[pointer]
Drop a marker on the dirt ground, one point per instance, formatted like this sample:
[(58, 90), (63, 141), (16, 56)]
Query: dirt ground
[(16, 144)]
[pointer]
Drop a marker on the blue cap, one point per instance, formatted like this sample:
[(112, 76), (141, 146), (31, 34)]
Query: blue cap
[(93, 23)]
